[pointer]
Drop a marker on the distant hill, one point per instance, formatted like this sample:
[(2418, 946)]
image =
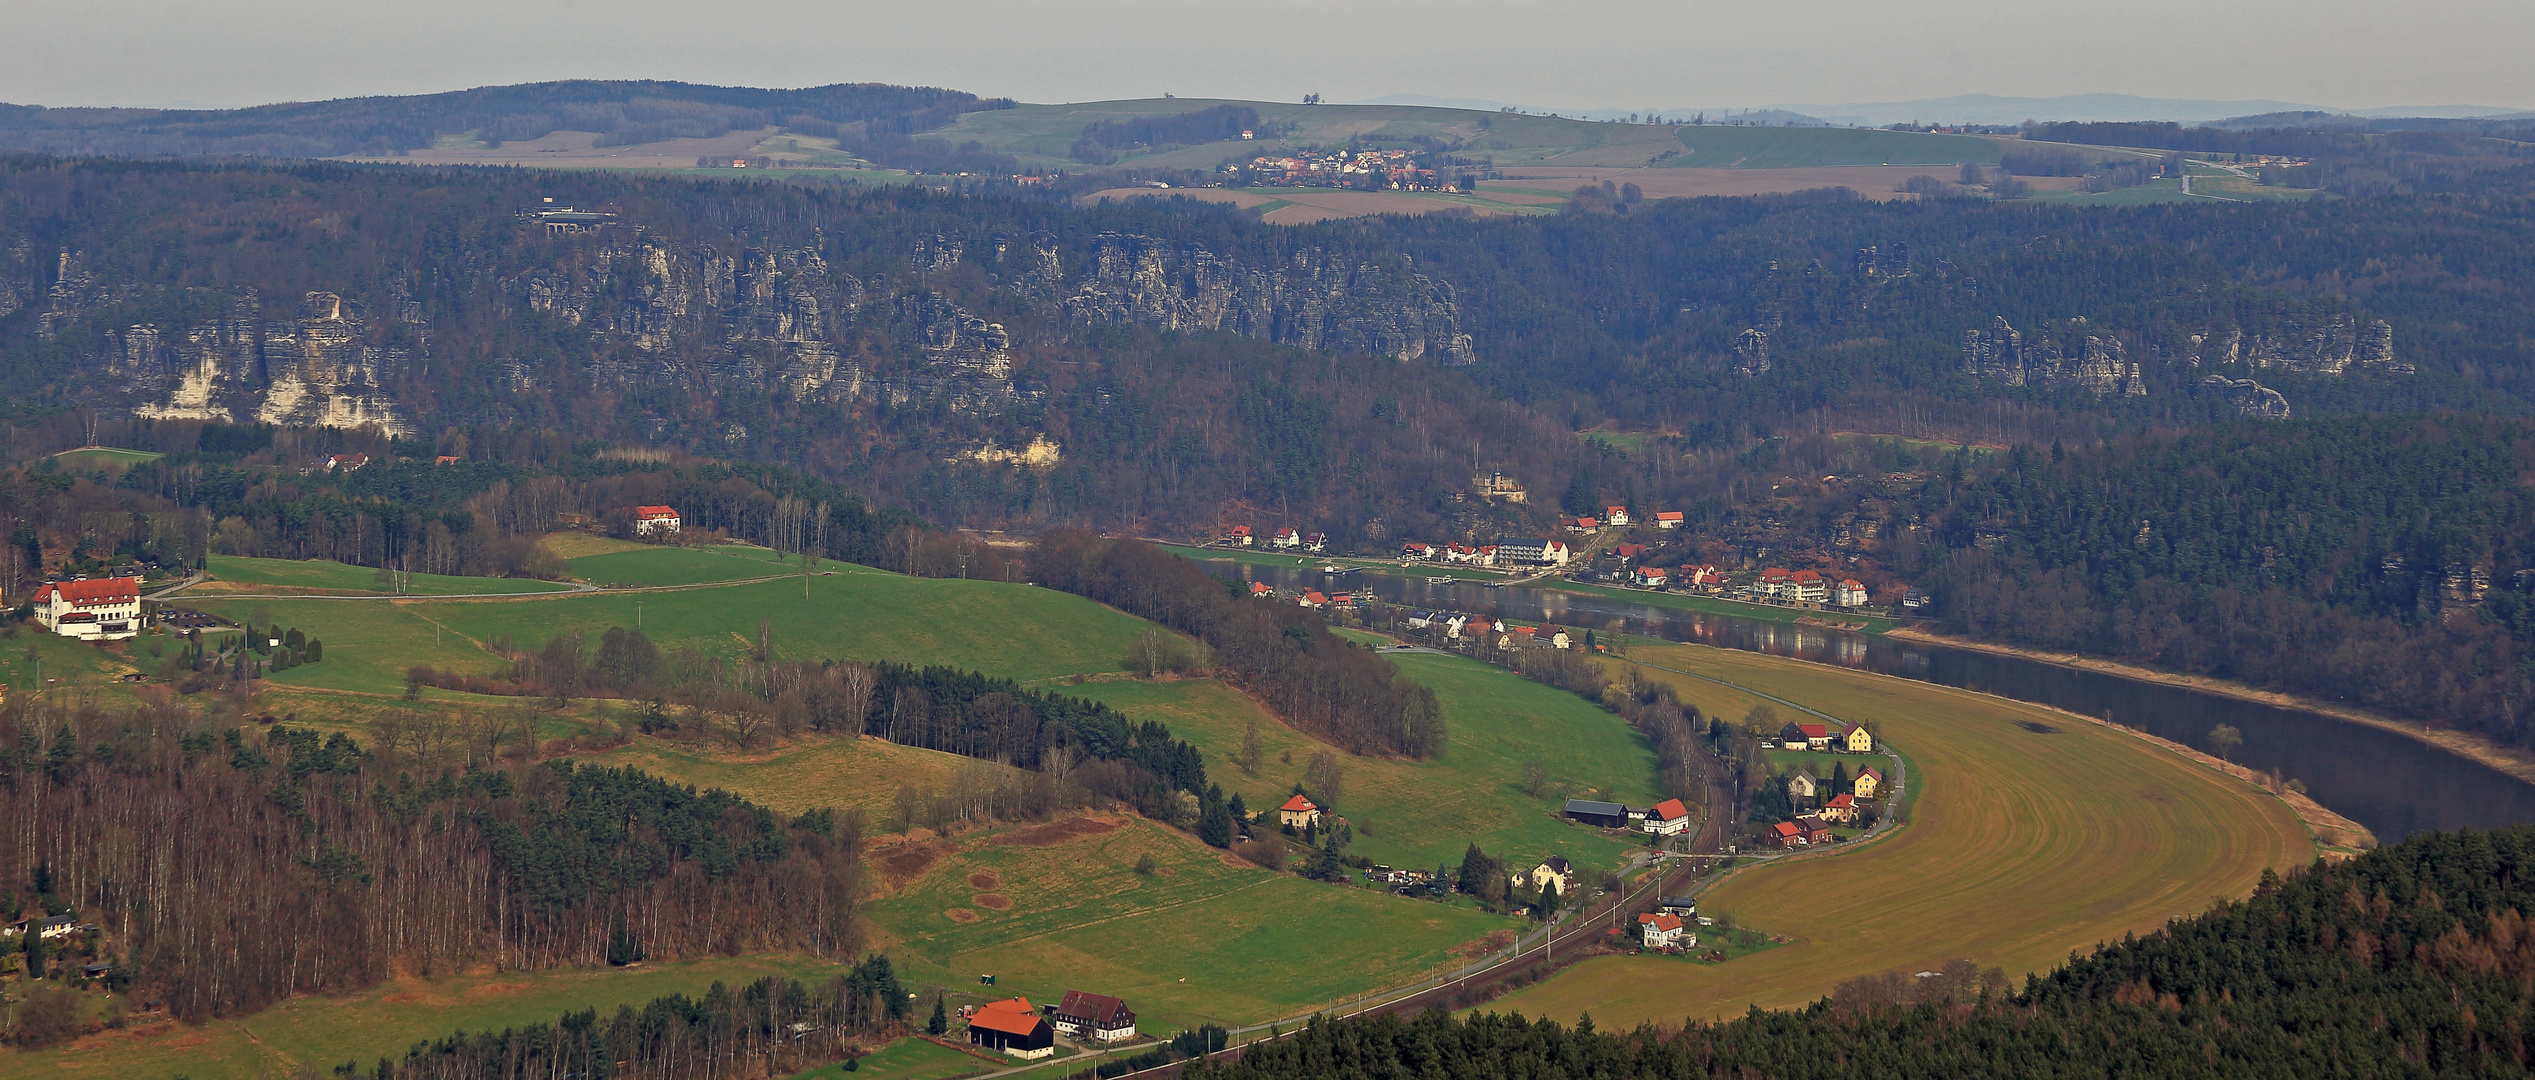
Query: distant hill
[(621, 113)]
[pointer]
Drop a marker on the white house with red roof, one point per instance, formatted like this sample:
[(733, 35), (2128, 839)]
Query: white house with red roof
[(1667, 818), (1298, 812), (107, 609), (1667, 519), (1652, 577), (1097, 1017), (346, 462), (1774, 581), (1315, 542), (1415, 550), (1849, 593), (1663, 930), (1286, 538), (1313, 598), (1238, 536), (1702, 574), (657, 520), (1616, 515), (1807, 587), (1260, 590)]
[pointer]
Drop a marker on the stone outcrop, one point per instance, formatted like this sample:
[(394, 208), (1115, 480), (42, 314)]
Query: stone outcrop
[(1311, 300), (2329, 345), (2250, 398), (314, 368), (2003, 356), (1751, 352)]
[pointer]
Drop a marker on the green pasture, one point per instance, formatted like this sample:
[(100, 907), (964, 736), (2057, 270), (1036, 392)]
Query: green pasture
[(1421, 813), (909, 1058), (321, 575), (656, 566), (321, 1032), (1204, 938), (70, 667), (104, 457)]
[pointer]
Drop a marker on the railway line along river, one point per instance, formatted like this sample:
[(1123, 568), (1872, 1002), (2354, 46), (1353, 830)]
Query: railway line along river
[(2388, 781)]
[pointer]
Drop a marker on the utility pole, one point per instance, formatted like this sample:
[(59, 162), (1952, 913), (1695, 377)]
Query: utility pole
[(638, 614)]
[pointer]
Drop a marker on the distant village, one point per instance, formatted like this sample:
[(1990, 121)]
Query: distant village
[(1381, 170)]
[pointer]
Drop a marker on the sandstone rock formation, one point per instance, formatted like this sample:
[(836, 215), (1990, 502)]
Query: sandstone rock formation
[(2250, 398)]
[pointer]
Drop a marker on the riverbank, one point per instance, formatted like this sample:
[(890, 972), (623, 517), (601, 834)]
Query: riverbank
[(2511, 760)]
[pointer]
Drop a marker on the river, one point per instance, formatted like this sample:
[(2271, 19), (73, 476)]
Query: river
[(2391, 783)]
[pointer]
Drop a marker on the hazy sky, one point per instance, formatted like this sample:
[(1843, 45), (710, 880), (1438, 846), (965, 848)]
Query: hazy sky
[(1563, 55)]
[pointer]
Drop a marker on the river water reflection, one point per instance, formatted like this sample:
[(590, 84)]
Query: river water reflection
[(2393, 784)]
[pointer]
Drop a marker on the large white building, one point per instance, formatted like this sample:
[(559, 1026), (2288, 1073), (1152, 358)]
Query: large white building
[(102, 610), (656, 520)]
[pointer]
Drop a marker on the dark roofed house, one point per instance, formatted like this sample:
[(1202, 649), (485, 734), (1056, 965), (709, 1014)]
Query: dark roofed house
[(1608, 815), (1096, 1017)]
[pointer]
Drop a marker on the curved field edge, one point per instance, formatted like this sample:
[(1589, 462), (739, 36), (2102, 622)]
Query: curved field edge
[(2024, 845)]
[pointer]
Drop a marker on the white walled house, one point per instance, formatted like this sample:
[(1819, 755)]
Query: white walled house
[(108, 609), (656, 521)]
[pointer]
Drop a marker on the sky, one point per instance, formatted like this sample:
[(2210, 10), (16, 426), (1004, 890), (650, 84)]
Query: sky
[(1574, 55)]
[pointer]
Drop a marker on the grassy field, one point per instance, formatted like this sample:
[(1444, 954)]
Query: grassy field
[(1047, 908), (651, 566), (910, 1059), (1420, 813), (326, 1031), (237, 572), (2026, 843), (104, 457), (813, 771), (852, 613), (1045, 134), (70, 667)]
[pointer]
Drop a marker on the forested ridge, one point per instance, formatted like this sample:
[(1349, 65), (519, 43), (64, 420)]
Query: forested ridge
[(237, 868), (2411, 960)]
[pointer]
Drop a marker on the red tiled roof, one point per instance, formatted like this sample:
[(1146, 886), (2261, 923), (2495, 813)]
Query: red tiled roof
[(1843, 800), (649, 512), (1298, 804), (1668, 515), (1662, 921), (1668, 810), (92, 593), (1871, 772), (1099, 1009), (1815, 731), (1015, 1016), (1807, 575), (1788, 828)]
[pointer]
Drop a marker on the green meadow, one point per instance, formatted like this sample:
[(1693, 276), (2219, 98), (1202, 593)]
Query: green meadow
[(319, 575)]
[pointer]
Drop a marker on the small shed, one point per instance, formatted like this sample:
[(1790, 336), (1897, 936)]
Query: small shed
[(1607, 815)]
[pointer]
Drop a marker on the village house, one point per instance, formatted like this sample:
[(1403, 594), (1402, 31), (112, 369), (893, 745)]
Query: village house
[(1315, 542), (1842, 809), (1774, 582), (1816, 831), (1867, 783), (1785, 834), (446, 459), (346, 462), (1667, 519), (1096, 1017), (1298, 812), (107, 609), (1805, 736), (1313, 598), (1652, 577), (1260, 590), (1703, 574), (1014, 1027), (1686, 907), (1851, 593), (1607, 815), (1667, 818), (1558, 639), (1554, 870), (656, 520), (1617, 516), (1806, 587), (1663, 930), (1415, 550), (1857, 740), (1627, 552), (1238, 536), (1803, 785), (1286, 538)]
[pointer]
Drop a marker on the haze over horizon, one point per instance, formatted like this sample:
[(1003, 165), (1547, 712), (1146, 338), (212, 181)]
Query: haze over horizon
[(1598, 55)]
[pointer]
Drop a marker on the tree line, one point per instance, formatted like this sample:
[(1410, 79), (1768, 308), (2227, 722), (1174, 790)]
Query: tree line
[(2411, 960), (237, 869), (1283, 655)]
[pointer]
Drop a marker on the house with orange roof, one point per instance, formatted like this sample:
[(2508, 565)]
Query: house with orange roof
[(1774, 581), (1617, 516), (107, 609), (1298, 812), (1806, 587), (1850, 593), (1667, 818), (655, 520), (1842, 808), (1663, 930), (1785, 834), (1238, 536), (1012, 1026), (1668, 519)]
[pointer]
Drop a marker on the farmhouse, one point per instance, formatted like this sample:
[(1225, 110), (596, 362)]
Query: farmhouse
[(1667, 519), (1667, 818), (655, 520), (1857, 740), (1805, 736), (1608, 815), (1868, 781), (1842, 808), (1096, 1017), (1014, 1027), (1785, 834), (107, 609), (1298, 812), (1662, 931), (1554, 870)]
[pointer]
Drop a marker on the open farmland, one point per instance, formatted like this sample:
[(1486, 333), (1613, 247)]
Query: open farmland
[(2033, 833), (237, 573), (1302, 206), (104, 457), (1421, 813), (321, 1032), (1206, 937)]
